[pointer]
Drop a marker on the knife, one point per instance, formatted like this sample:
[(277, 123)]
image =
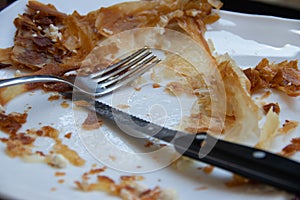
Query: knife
[(249, 162)]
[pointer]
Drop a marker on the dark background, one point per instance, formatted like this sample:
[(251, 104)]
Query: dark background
[(252, 7), (245, 6)]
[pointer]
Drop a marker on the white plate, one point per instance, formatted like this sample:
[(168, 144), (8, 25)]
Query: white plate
[(247, 38)]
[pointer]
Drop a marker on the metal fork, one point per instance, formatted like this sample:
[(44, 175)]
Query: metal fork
[(102, 82)]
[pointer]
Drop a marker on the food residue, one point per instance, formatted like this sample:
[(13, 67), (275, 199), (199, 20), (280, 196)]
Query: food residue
[(60, 173), (64, 104), (292, 148), (156, 85), (288, 126), (68, 135), (238, 181), (283, 76), (123, 106), (208, 169), (54, 97), (92, 122), (274, 106), (202, 188), (127, 188)]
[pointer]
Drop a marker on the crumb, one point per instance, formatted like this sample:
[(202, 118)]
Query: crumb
[(113, 158), (288, 126), (266, 95), (94, 165), (275, 107), (137, 89), (202, 188), (85, 176), (82, 103), (49, 131), (61, 181), (64, 104), (56, 160), (97, 171), (156, 85), (53, 189), (68, 135), (92, 122), (292, 148), (123, 106), (64, 152), (208, 169), (45, 131), (40, 153), (237, 181), (132, 178), (149, 144), (60, 173), (54, 97)]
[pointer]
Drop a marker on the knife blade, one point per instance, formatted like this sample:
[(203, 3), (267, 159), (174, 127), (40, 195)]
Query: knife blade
[(249, 162)]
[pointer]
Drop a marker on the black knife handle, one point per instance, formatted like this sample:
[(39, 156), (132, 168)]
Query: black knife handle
[(249, 162), (246, 161)]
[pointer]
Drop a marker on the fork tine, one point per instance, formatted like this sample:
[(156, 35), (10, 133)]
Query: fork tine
[(120, 63), (109, 86), (127, 65), (126, 74), (138, 63)]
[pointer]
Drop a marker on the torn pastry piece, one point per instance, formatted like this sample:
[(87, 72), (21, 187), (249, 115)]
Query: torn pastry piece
[(154, 13), (283, 76), (291, 148), (242, 114), (48, 41), (5, 58), (288, 126), (274, 106), (268, 131), (46, 36), (92, 122)]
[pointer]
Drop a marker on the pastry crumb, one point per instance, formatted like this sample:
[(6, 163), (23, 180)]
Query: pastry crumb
[(208, 169), (68, 135), (92, 122), (123, 106), (65, 104)]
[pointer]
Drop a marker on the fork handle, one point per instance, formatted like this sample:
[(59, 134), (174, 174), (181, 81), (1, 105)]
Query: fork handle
[(30, 79), (249, 162)]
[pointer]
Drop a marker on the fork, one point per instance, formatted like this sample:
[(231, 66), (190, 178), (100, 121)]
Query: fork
[(102, 82)]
